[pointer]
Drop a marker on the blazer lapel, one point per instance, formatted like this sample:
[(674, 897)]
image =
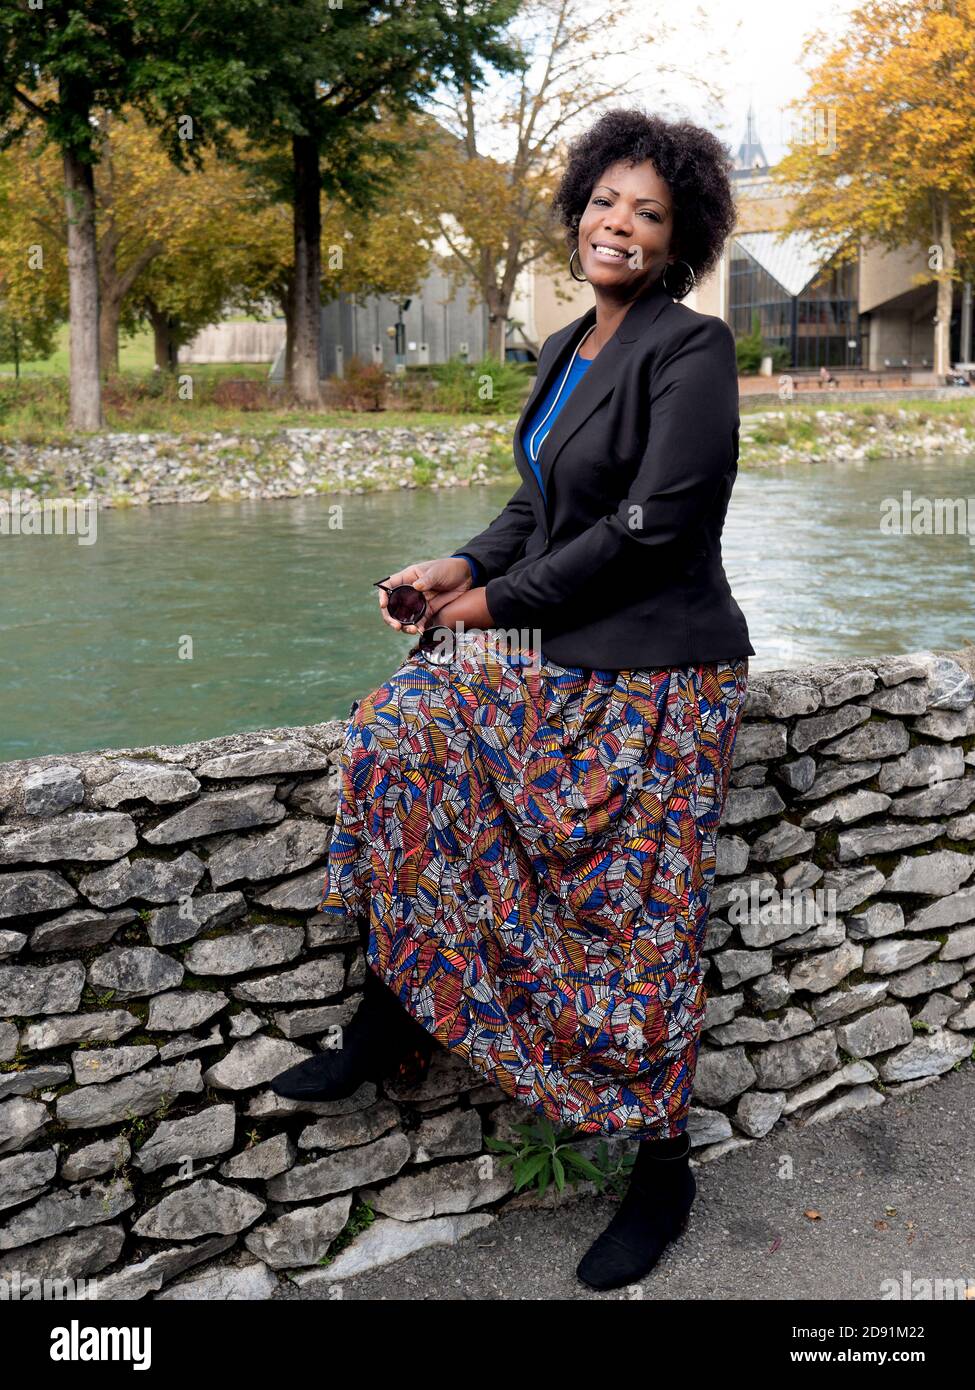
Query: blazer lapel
[(571, 333), (598, 382)]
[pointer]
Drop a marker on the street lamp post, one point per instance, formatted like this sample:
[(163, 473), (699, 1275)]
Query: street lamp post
[(399, 334)]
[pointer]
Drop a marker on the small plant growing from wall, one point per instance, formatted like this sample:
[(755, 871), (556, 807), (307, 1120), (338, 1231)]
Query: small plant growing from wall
[(545, 1157)]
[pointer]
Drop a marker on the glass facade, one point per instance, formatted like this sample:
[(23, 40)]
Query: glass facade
[(815, 327)]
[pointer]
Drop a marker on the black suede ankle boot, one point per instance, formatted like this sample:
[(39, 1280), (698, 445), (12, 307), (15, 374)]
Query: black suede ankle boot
[(653, 1212), (381, 1037)]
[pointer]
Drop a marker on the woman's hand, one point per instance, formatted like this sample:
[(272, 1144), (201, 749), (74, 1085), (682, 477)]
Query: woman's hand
[(440, 581), (470, 610)]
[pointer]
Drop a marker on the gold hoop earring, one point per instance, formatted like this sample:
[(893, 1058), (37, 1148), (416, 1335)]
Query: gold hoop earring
[(581, 279)]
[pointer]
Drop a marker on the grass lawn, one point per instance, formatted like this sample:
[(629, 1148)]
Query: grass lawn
[(233, 396), (237, 397)]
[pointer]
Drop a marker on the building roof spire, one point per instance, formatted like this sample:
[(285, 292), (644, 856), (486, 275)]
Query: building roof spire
[(750, 153)]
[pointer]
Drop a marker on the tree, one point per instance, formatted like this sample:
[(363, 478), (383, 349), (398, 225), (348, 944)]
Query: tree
[(888, 153), (337, 74), (33, 279), (363, 251), (317, 75), (65, 59), (217, 263), (162, 246)]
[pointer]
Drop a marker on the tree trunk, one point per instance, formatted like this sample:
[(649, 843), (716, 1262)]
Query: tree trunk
[(288, 307), (109, 313), (942, 333), (497, 336), (165, 346), (307, 270), (498, 304), (965, 335), (85, 386)]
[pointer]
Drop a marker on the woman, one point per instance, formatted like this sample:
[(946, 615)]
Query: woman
[(527, 825)]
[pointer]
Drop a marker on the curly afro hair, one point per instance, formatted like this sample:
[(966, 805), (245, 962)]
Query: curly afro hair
[(694, 164)]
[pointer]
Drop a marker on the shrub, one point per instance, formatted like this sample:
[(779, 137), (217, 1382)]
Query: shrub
[(363, 387), (241, 393), (487, 387), (750, 349)]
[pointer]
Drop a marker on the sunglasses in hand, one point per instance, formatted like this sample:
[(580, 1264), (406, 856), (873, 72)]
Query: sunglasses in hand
[(403, 603)]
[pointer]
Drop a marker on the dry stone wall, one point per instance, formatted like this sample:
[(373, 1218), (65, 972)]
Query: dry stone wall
[(161, 960)]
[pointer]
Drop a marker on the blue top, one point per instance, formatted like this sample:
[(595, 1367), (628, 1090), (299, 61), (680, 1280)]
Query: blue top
[(531, 442)]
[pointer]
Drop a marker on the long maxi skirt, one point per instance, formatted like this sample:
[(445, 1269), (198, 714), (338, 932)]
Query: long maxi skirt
[(529, 851)]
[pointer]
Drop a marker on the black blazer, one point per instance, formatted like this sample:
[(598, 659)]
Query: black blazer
[(622, 568)]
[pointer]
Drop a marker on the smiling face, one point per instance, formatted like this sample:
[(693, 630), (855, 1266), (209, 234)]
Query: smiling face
[(625, 229)]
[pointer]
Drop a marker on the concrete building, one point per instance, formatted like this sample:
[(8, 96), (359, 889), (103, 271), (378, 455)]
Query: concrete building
[(439, 324)]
